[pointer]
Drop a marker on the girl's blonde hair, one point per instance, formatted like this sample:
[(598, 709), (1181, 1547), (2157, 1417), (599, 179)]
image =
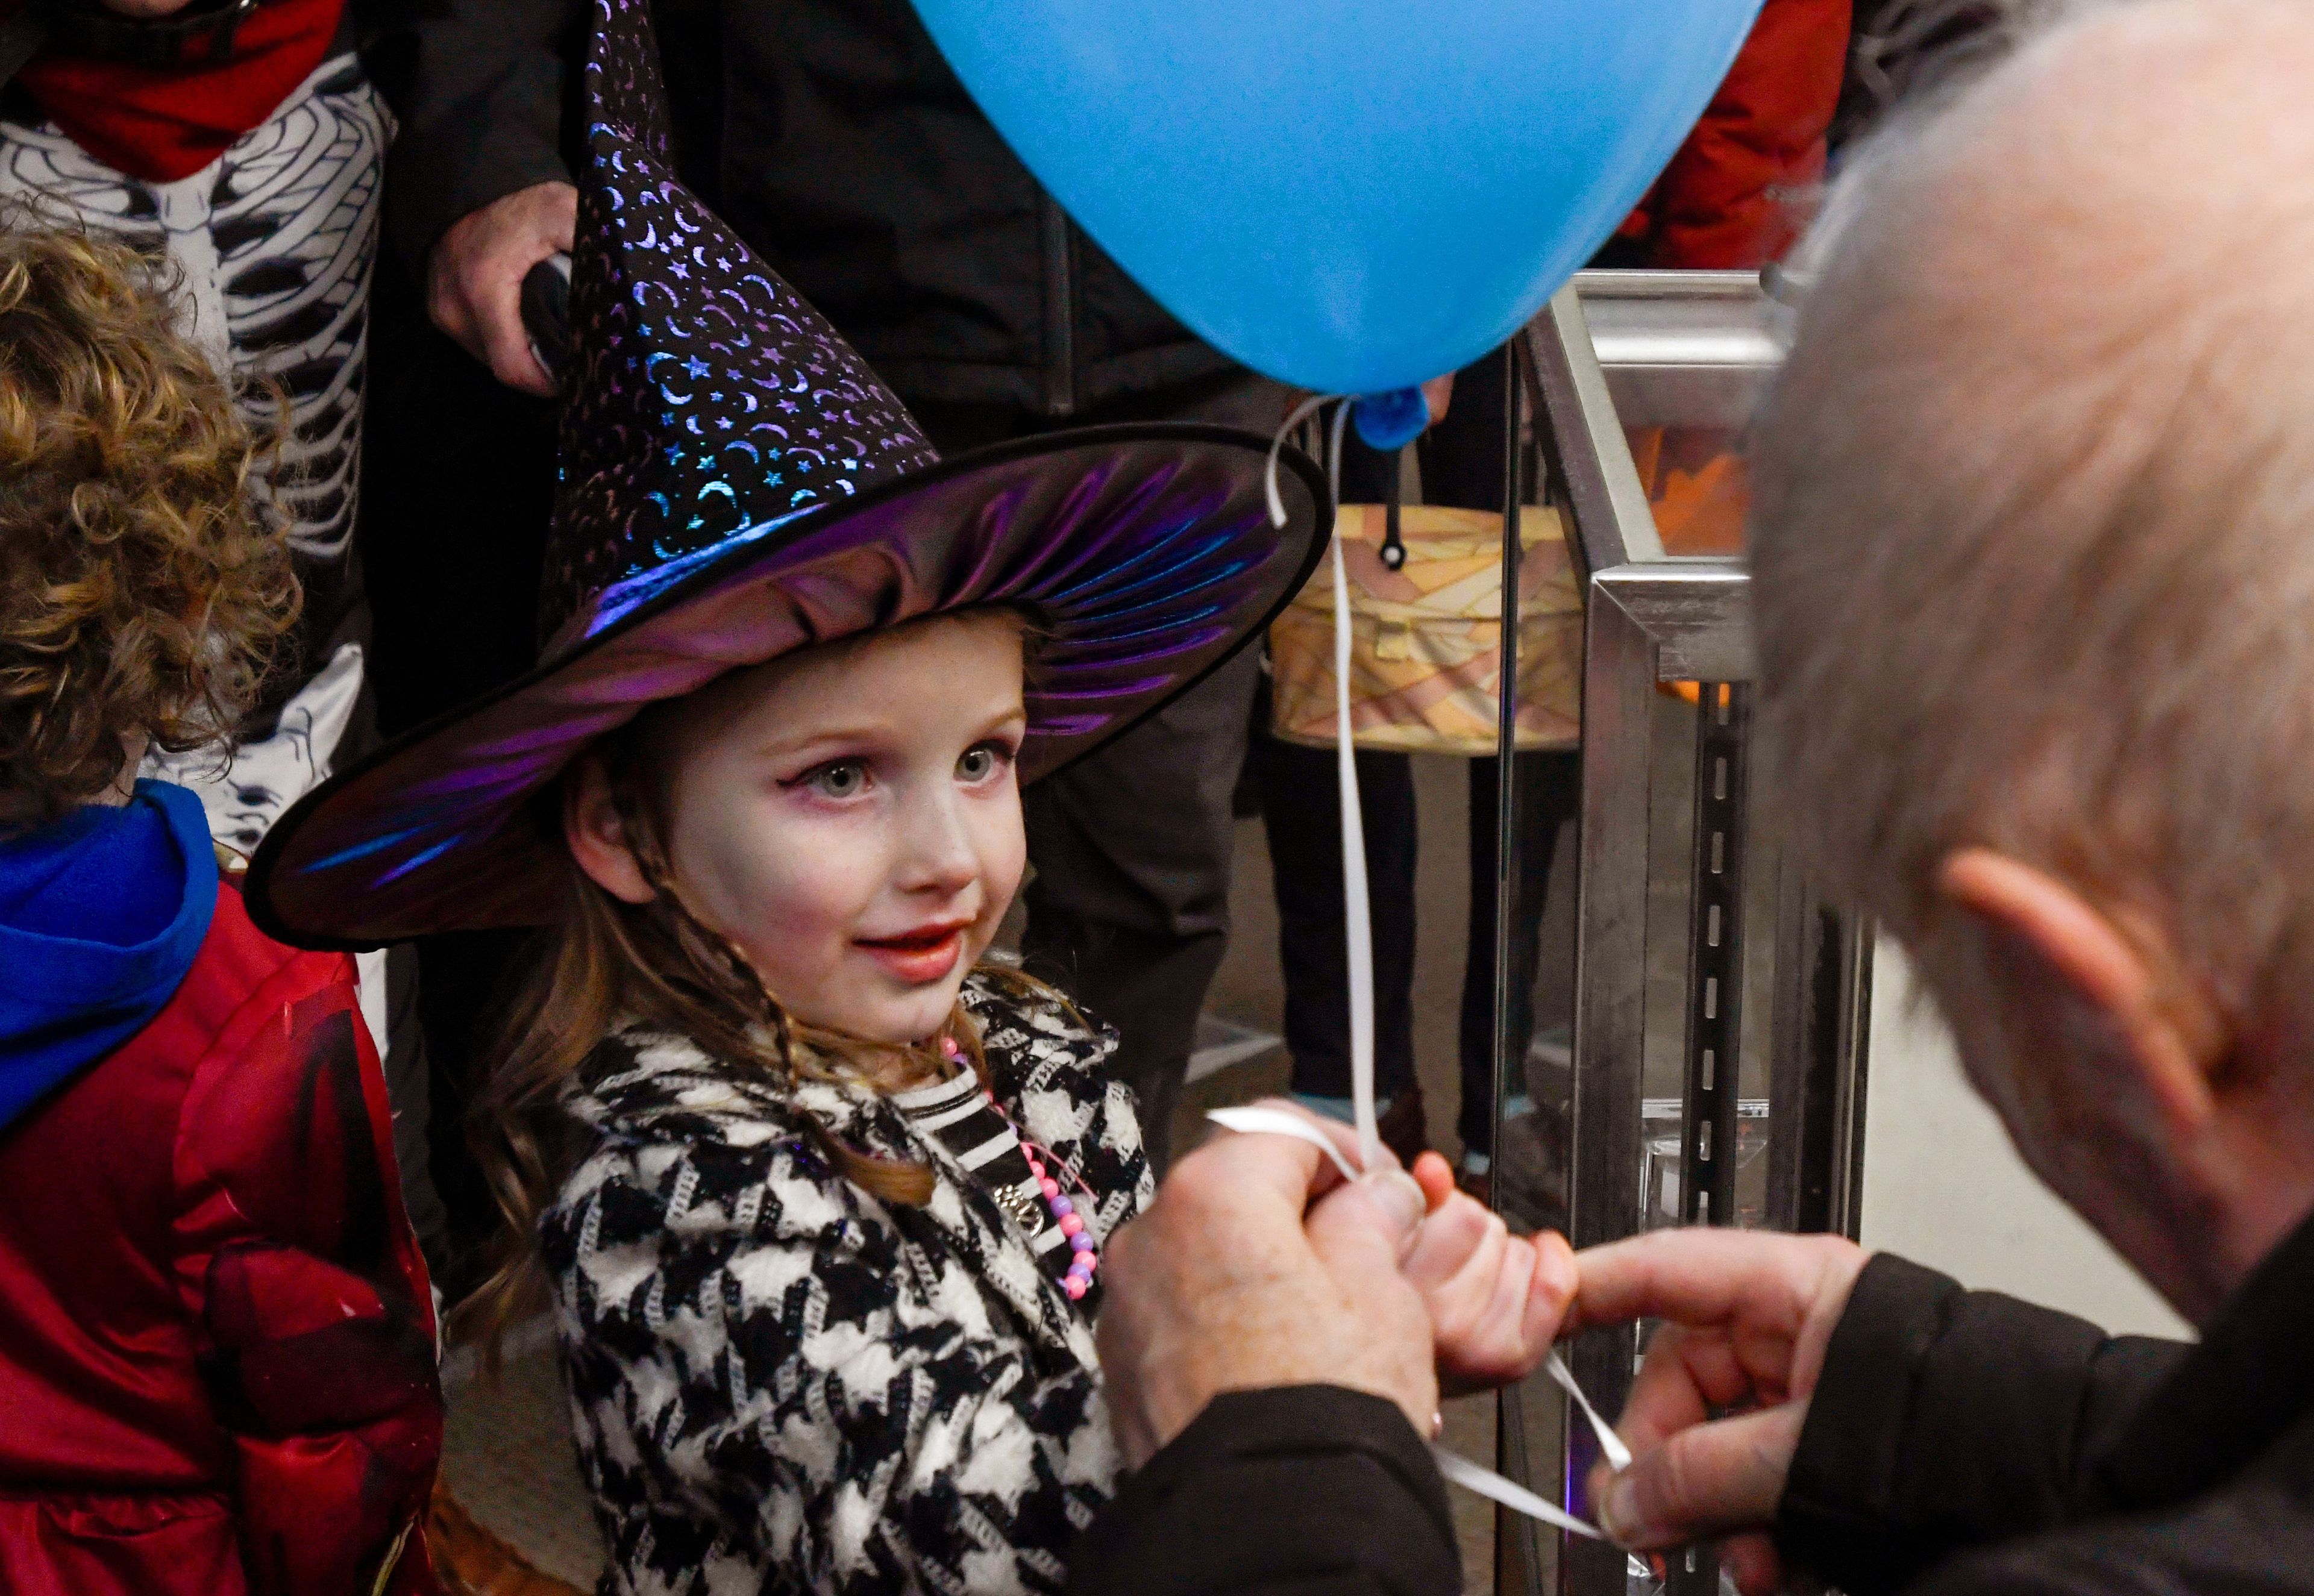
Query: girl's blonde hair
[(608, 963)]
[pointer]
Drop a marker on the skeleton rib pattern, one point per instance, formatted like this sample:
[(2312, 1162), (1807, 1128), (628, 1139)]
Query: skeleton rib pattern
[(272, 245)]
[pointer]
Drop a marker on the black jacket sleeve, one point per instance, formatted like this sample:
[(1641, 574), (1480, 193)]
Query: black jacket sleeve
[(482, 112), (1947, 1419), (1306, 1490)]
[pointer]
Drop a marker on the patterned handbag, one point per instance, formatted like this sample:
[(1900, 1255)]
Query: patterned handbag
[(1425, 649)]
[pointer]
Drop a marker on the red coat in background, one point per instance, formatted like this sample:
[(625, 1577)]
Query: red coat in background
[(216, 1339), (1734, 195), (1735, 198)]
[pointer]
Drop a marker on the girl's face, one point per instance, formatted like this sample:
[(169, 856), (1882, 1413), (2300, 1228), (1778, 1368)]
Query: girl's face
[(848, 817)]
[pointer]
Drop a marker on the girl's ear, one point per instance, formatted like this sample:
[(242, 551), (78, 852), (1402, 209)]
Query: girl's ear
[(596, 834)]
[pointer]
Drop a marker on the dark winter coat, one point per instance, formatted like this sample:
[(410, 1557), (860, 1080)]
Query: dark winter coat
[(834, 138), (1963, 1443)]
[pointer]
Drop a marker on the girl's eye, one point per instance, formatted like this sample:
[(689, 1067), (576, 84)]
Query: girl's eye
[(845, 779), (982, 761)]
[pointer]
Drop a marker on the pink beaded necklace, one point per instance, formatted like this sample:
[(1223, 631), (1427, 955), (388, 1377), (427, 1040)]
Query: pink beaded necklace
[(1078, 1279)]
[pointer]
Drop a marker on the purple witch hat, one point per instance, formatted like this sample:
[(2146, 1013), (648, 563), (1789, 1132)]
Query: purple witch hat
[(736, 484)]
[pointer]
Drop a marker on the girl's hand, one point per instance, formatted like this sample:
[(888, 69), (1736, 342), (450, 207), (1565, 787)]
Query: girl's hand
[(1496, 1299)]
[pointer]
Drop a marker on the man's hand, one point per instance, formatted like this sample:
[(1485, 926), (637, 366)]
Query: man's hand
[(1747, 1318), (1495, 1299), (473, 278), (1222, 1286)]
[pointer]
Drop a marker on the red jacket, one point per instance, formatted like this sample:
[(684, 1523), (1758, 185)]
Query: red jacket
[(1739, 190), (216, 1340)]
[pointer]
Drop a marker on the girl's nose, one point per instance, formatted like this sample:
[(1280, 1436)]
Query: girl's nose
[(938, 853)]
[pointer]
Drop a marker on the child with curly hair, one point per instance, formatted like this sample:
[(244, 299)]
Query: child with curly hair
[(216, 1339)]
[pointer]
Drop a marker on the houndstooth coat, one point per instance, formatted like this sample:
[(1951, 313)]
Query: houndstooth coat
[(780, 1383)]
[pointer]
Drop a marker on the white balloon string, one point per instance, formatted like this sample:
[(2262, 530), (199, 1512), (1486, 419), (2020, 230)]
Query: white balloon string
[(1493, 1487), (1254, 1120), (1301, 412), (1358, 931), (1356, 910), (1611, 1445)]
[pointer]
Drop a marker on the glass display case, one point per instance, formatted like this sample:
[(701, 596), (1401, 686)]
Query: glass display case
[(1720, 1007)]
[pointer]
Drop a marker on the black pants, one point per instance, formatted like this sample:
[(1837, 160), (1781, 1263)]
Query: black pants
[(1128, 911), (1461, 467)]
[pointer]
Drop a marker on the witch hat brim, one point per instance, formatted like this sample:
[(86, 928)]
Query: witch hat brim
[(1145, 555)]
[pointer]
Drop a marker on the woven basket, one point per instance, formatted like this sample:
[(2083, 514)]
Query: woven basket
[(1425, 652)]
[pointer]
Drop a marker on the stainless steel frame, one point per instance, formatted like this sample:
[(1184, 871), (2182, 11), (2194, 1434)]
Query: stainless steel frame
[(1644, 349)]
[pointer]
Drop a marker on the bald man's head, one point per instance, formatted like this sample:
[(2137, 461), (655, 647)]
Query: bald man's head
[(2034, 525)]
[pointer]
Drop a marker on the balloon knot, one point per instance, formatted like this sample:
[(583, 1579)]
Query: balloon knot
[(1389, 421)]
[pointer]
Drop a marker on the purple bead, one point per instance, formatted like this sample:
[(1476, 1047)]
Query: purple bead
[(1081, 1242), (1080, 1267), (1062, 1207)]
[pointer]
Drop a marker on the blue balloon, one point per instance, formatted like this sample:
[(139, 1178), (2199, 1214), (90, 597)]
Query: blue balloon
[(1347, 195)]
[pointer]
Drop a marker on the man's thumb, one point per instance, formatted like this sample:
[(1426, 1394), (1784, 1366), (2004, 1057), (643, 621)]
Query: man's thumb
[(1705, 1480), (1372, 1221)]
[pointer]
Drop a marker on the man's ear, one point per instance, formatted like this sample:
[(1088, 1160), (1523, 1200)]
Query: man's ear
[(596, 834), (2049, 934)]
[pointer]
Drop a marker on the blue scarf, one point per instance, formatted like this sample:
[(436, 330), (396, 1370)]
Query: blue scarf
[(101, 914)]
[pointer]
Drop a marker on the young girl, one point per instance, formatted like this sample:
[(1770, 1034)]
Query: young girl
[(822, 1263), (820, 1191)]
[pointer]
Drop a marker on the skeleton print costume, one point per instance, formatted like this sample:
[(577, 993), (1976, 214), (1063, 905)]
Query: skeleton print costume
[(274, 242), (781, 1383)]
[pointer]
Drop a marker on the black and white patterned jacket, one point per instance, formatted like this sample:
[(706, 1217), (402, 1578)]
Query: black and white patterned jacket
[(780, 1383)]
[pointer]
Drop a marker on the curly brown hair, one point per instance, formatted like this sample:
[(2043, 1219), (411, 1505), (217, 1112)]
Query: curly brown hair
[(143, 589)]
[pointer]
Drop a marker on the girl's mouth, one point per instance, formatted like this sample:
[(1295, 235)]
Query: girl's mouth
[(921, 956)]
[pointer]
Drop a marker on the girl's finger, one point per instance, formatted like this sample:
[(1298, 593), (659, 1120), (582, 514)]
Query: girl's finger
[(1551, 1289), (1452, 1237), (1486, 1264), (1495, 1347), (1435, 1177), (1460, 1304)]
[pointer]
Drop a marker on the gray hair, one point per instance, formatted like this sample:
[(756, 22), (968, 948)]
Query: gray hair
[(2033, 531)]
